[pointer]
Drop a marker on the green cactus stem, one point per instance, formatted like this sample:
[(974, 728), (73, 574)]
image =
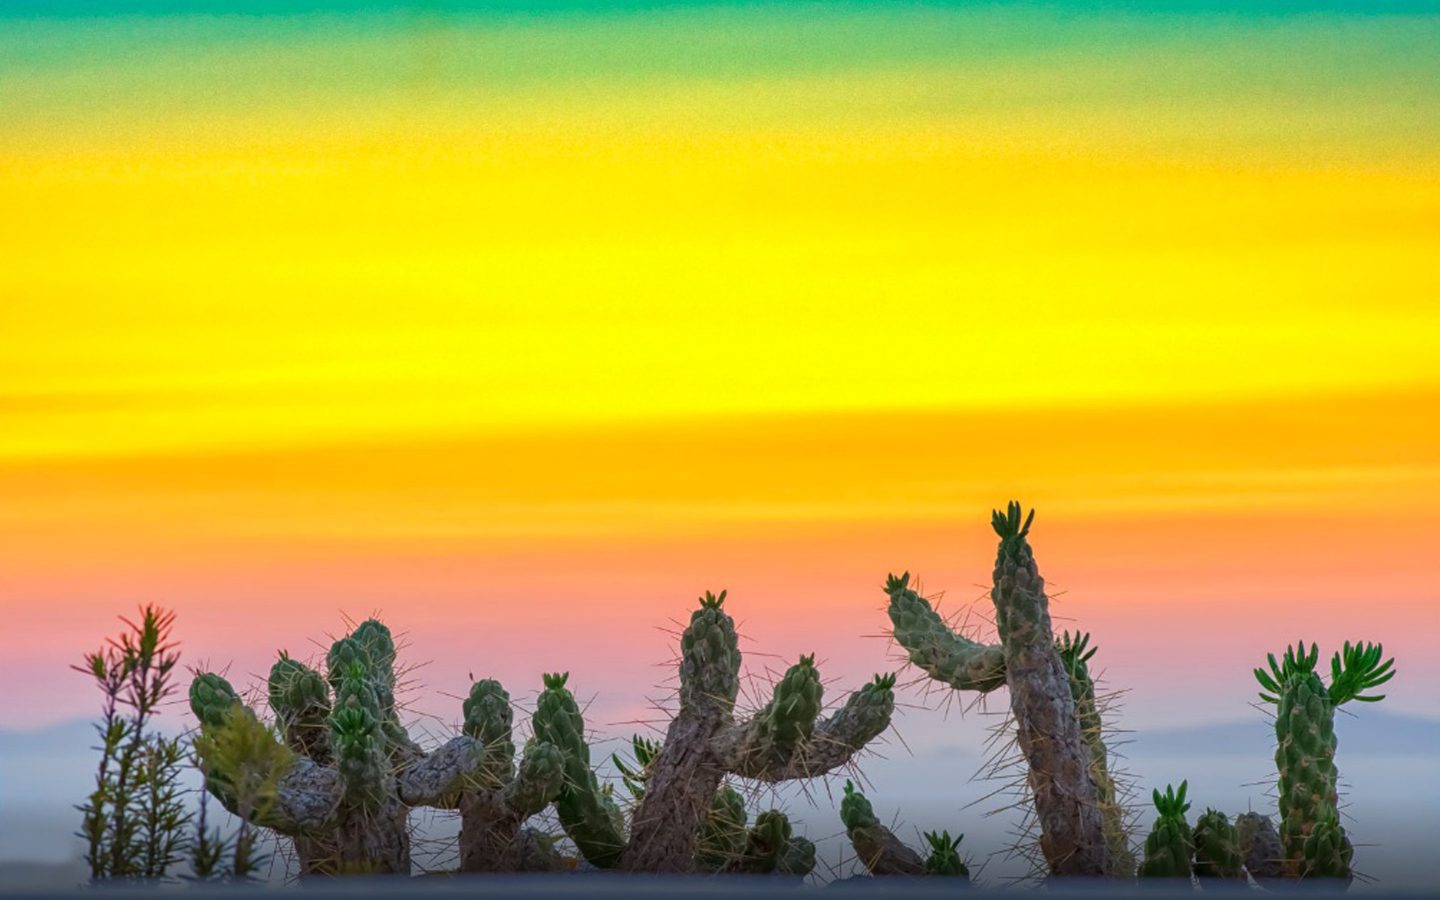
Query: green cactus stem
[(785, 740), (1171, 844), (1312, 840), (723, 839), (877, 847), (772, 848), (587, 813), (1217, 847)]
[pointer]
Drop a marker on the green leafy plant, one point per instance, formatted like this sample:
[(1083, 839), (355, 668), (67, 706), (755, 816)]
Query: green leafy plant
[(134, 822)]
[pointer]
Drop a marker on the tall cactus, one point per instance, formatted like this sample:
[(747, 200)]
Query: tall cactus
[(785, 740), (1312, 839), (344, 800), (1081, 832)]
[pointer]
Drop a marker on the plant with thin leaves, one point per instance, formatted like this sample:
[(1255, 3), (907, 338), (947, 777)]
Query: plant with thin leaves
[(134, 821)]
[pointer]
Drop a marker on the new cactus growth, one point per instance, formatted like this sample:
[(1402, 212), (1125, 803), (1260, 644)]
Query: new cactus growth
[(944, 858), (345, 800), (678, 806), (1312, 840), (1080, 821), (1171, 843), (1217, 847)]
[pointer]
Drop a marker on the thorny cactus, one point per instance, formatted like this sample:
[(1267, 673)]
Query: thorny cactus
[(1313, 841), (879, 850), (1217, 847), (1081, 822), (672, 828), (1171, 843), (882, 853), (343, 774)]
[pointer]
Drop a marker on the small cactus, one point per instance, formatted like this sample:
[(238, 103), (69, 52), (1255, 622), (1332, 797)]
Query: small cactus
[(1217, 847), (944, 858), (1171, 844)]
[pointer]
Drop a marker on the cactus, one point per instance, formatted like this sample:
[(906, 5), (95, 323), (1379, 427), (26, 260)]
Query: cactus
[(1081, 824), (1313, 842), (682, 820), (496, 798), (344, 800), (944, 858), (879, 850), (587, 813), (1217, 847), (771, 848), (1171, 844)]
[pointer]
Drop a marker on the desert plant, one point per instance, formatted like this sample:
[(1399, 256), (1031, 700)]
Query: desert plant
[(1171, 844), (1081, 823), (882, 853), (704, 743), (344, 800), (1217, 847), (1313, 842), (134, 822)]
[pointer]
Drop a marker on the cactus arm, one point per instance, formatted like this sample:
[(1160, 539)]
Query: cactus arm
[(438, 780), (774, 734), (833, 742), (879, 850), (300, 699), (935, 648), (588, 815)]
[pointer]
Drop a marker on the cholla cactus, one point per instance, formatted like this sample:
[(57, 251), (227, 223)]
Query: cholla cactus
[(342, 775), (785, 740), (879, 850), (1171, 843), (1313, 841), (1082, 829), (1217, 847)]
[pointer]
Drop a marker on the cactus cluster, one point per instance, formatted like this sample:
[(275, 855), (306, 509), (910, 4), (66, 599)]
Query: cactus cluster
[(338, 774), (342, 774)]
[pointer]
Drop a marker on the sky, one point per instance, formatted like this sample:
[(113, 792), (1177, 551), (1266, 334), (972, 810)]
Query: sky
[(524, 328)]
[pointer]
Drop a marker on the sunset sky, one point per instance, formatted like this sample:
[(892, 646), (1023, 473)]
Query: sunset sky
[(525, 327)]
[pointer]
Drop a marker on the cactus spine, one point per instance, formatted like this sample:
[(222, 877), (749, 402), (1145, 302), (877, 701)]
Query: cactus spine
[(1171, 843), (1312, 839), (1071, 807)]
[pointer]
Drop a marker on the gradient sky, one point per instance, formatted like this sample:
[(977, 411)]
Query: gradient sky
[(525, 329)]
